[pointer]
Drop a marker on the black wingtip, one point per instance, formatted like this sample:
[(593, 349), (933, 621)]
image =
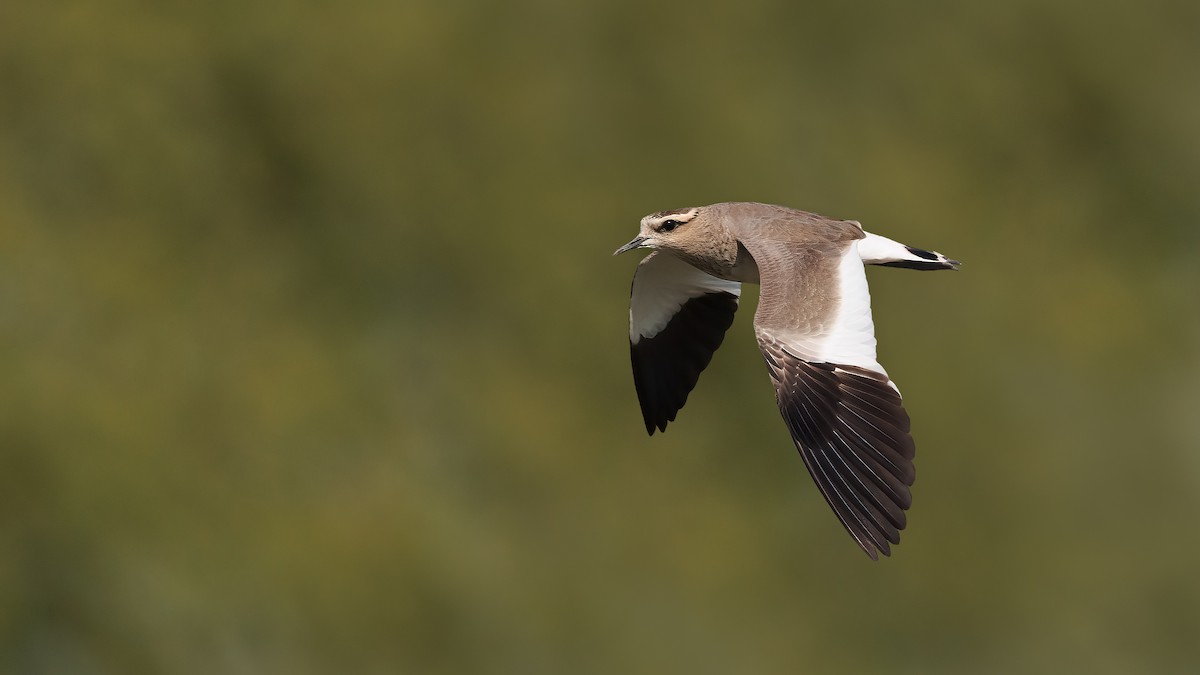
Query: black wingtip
[(922, 253), (929, 261), (873, 549), (922, 265)]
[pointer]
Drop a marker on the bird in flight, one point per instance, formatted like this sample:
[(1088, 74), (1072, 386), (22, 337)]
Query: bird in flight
[(814, 327)]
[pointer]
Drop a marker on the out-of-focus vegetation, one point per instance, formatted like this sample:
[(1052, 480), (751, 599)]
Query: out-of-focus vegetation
[(313, 357)]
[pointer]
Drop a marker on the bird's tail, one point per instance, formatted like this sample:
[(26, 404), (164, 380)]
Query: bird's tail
[(877, 250)]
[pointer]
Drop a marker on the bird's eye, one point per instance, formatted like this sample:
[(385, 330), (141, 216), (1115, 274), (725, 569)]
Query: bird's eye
[(668, 225)]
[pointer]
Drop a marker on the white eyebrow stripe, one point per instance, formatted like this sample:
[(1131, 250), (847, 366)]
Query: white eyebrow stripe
[(680, 216)]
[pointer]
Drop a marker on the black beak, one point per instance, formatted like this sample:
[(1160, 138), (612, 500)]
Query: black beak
[(636, 243)]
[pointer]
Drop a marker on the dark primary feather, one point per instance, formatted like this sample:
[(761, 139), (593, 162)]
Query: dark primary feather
[(667, 366), (853, 435), (920, 265)]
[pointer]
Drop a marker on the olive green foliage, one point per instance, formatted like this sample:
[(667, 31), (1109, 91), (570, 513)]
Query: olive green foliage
[(313, 356)]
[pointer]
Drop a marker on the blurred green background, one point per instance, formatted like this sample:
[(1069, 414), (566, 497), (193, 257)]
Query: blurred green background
[(314, 357)]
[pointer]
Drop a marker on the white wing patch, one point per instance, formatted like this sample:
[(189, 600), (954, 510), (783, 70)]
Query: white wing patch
[(874, 249), (661, 286), (848, 336), (851, 338)]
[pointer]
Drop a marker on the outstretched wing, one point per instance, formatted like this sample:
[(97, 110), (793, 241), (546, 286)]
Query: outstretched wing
[(678, 316), (844, 414), (853, 434)]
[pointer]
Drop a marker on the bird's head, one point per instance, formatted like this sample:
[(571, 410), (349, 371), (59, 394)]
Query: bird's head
[(671, 230)]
